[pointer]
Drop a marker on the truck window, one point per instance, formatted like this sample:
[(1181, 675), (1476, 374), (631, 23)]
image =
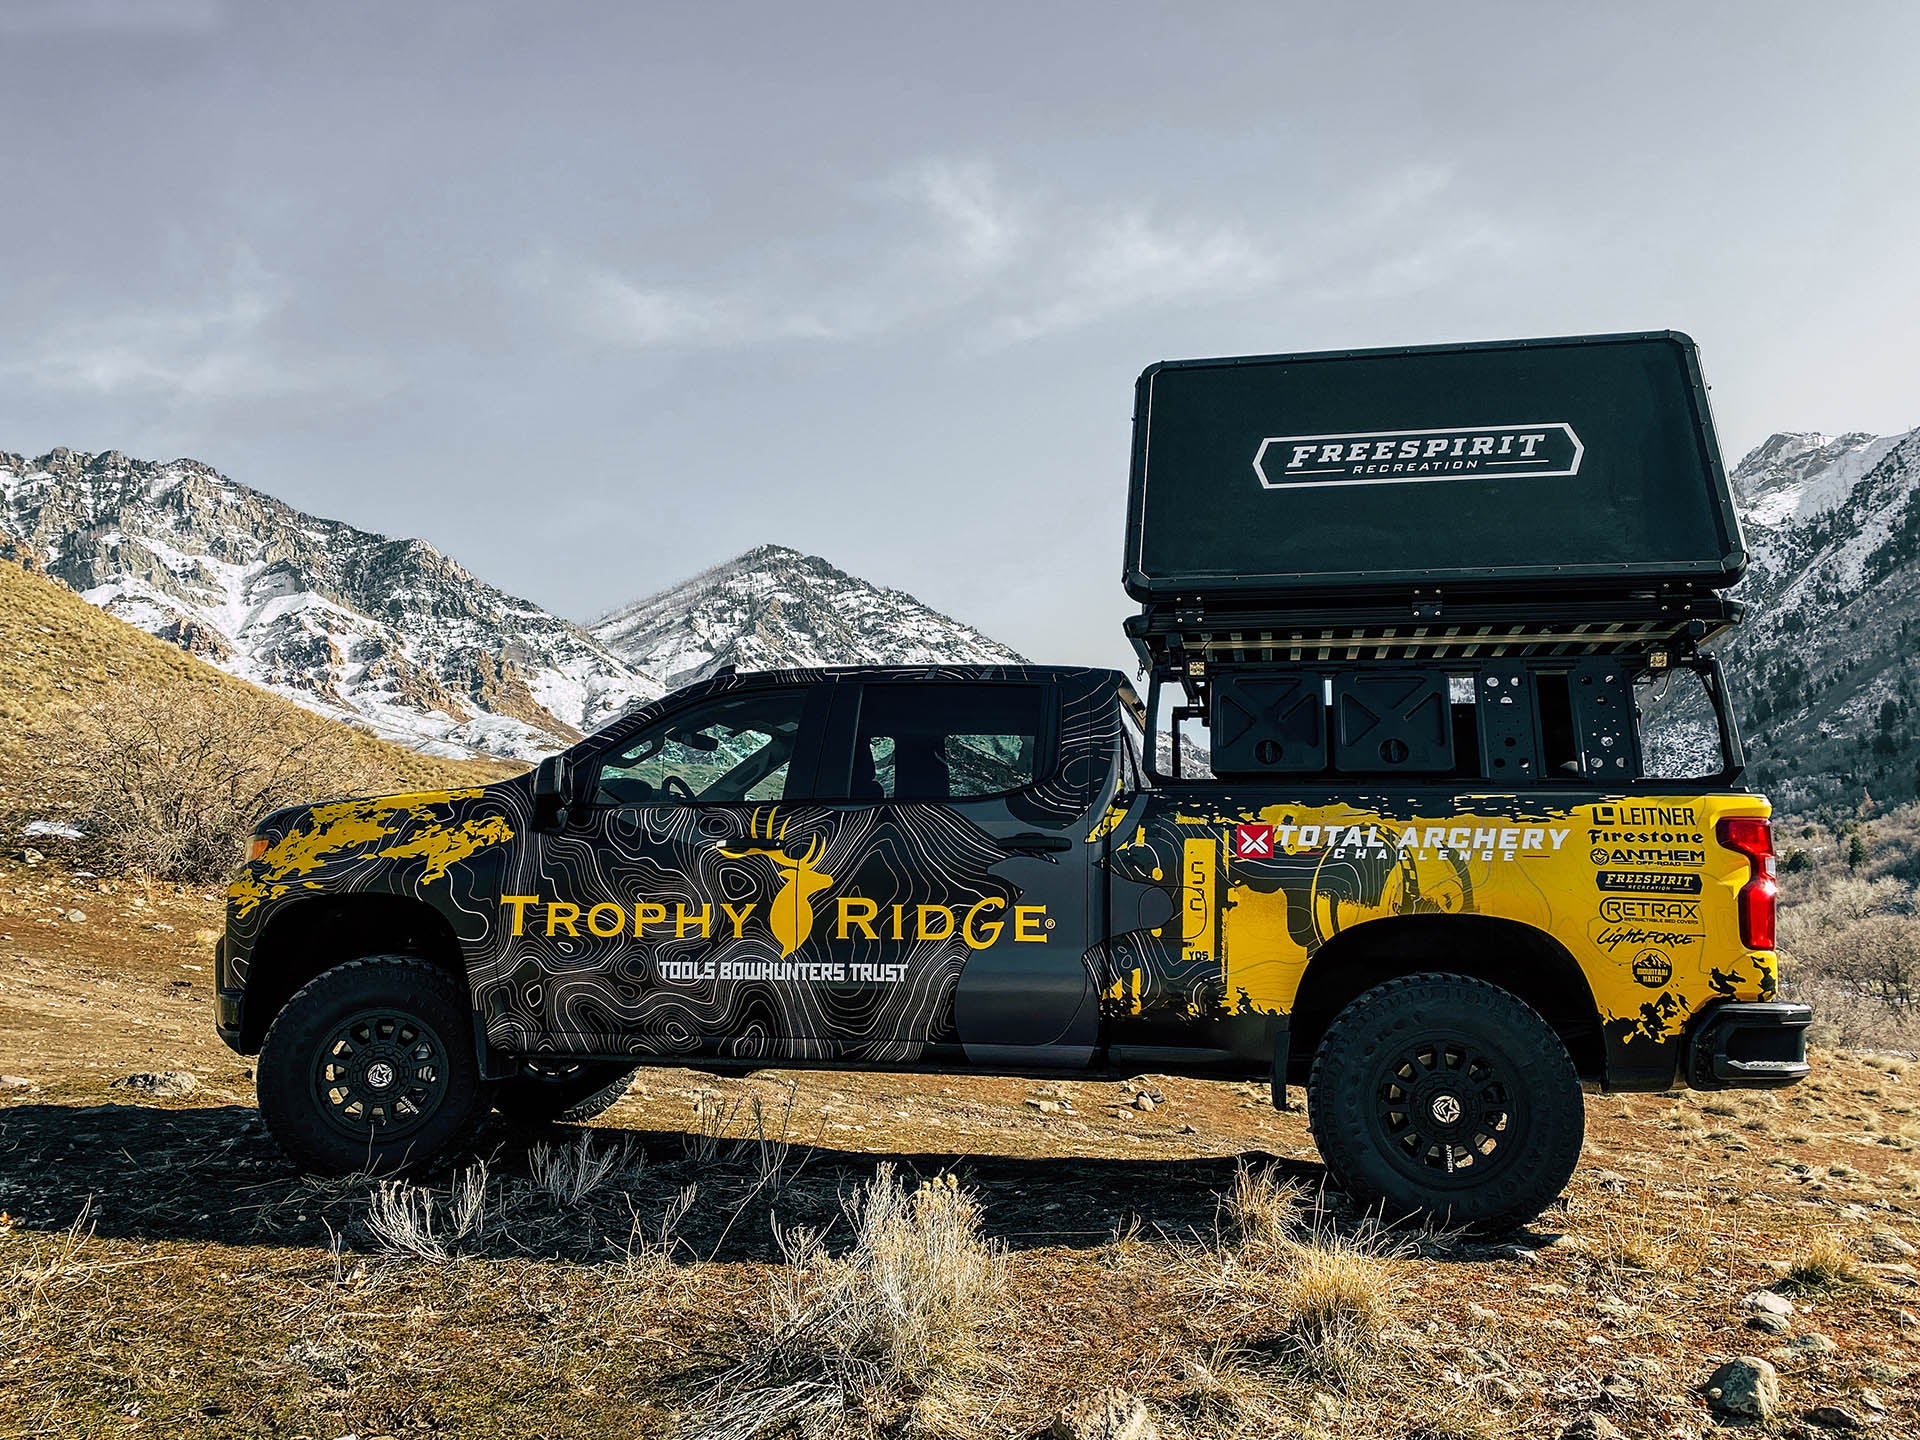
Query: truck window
[(1679, 728), (733, 749), (948, 741)]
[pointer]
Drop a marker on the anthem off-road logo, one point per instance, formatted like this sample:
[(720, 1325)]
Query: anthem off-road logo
[(1544, 450)]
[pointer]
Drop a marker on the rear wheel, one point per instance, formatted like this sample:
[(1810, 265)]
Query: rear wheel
[(1448, 1098), (371, 1066), (548, 1092)]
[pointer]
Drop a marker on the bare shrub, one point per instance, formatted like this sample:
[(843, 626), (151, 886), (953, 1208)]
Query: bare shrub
[(568, 1174), (415, 1223), (169, 778), (854, 1342)]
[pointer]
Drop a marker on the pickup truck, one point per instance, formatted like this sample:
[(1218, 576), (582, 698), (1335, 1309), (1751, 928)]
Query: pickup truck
[(1430, 879)]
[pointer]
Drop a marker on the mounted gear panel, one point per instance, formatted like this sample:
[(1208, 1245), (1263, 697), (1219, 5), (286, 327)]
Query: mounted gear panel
[(1269, 724), (1509, 724), (1390, 721)]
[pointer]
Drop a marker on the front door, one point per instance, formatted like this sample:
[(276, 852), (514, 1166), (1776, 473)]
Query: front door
[(672, 906)]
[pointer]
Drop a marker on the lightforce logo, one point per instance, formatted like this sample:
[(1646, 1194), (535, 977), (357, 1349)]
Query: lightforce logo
[(1545, 450)]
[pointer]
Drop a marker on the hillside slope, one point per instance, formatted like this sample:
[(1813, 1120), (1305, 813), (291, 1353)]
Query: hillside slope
[(774, 607), (1823, 671), (341, 620), (57, 650)]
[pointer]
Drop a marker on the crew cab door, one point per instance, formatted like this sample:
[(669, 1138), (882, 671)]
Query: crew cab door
[(668, 908), (966, 927)]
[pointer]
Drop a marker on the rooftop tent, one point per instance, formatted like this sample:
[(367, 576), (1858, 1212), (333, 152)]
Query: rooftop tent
[(1499, 471)]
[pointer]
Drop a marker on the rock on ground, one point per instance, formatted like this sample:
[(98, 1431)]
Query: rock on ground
[(1592, 1427), (1747, 1386), (1109, 1415), (1835, 1417), (161, 1084)]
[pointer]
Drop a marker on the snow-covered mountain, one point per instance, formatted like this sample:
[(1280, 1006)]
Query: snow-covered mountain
[(388, 632), (1823, 672), (394, 635), (774, 607)]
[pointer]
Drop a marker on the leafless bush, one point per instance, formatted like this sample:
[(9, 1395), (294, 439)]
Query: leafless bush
[(568, 1174), (168, 779), (416, 1223), (852, 1342)]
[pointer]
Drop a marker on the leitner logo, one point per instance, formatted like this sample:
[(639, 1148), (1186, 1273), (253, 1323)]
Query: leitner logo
[(1390, 457)]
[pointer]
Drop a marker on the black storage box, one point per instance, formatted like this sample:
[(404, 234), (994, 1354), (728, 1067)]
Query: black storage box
[(1504, 471)]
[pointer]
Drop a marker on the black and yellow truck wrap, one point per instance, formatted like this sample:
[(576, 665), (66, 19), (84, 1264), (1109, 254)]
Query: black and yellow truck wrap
[(1432, 868)]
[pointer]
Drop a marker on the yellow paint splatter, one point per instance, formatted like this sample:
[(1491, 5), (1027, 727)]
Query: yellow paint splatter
[(444, 846), (347, 825)]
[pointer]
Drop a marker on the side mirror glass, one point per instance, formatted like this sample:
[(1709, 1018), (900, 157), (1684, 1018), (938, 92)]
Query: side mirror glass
[(552, 792)]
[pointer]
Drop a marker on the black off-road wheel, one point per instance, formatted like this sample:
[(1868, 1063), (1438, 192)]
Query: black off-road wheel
[(558, 1092), (371, 1067), (1447, 1099)]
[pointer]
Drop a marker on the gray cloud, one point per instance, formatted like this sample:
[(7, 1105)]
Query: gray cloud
[(594, 296)]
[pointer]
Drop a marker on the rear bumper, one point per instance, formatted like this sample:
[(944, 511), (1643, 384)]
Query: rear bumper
[(1759, 1044)]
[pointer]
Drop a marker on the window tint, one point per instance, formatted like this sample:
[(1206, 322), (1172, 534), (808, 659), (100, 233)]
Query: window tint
[(735, 748), (947, 742)]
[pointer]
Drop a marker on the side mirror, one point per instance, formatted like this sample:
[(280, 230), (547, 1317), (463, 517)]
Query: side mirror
[(552, 792)]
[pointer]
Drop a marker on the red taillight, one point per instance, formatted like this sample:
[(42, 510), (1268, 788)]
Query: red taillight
[(1752, 836)]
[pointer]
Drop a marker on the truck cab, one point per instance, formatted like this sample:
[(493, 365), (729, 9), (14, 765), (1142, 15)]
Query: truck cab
[(1443, 864)]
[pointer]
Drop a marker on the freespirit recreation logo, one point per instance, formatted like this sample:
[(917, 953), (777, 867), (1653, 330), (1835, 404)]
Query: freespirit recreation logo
[(1544, 450)]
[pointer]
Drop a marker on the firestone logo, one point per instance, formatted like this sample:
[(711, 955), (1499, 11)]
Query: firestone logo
[(1543, 450)]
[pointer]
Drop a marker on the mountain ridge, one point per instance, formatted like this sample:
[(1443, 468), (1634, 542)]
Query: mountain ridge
[(821, 615), (394, 635)]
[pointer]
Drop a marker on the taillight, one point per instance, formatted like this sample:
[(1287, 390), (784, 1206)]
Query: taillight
[(257, 847), (1752, 836)]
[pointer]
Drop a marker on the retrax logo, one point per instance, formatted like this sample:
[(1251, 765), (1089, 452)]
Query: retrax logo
[(1387, 457)]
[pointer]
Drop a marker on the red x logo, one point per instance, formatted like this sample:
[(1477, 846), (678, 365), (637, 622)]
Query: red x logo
[(1253, 842)]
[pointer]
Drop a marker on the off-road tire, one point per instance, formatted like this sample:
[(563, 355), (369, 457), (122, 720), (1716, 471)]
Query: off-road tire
[(371, 1067), (1448, 1099), (532, 1099)]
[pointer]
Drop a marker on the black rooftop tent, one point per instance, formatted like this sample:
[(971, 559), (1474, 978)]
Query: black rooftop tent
[(1498, 469)]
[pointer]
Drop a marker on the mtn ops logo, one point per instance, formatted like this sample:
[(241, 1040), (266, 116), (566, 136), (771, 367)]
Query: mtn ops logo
[(1389, 457)]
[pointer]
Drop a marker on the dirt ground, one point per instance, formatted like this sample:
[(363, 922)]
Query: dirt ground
[(164, 1272)]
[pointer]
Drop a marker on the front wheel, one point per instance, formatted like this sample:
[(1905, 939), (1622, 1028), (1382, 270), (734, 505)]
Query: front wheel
[(1448, 1098), (371, 1067)]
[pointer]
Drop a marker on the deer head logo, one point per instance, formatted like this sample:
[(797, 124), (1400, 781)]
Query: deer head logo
[(790, 916)]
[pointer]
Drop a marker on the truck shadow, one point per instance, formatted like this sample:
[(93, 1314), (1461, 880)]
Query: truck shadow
[(212, 1175)]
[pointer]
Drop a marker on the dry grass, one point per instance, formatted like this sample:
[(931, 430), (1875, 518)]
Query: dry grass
[(877, 1336), (1825, 1259), (1262, 1211), (1339, 1292), (165, 761)]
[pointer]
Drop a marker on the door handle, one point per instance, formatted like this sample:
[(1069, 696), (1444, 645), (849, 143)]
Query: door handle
[(1034, 843)]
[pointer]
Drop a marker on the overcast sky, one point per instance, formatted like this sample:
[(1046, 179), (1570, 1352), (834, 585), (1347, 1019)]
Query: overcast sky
[(593, 296)]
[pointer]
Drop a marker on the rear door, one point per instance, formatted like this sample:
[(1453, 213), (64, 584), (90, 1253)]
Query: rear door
[(964, 928)]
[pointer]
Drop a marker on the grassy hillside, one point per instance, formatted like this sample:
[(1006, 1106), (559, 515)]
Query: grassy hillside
[(59, 655)]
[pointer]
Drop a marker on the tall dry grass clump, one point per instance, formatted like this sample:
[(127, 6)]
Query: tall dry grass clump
[(871, 1338), (168, 779)]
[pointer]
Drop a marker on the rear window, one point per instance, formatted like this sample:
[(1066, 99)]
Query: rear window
[(948, 741)]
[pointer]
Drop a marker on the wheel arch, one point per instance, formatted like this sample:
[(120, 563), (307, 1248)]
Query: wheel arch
[(311, 936), (1516, 957)]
